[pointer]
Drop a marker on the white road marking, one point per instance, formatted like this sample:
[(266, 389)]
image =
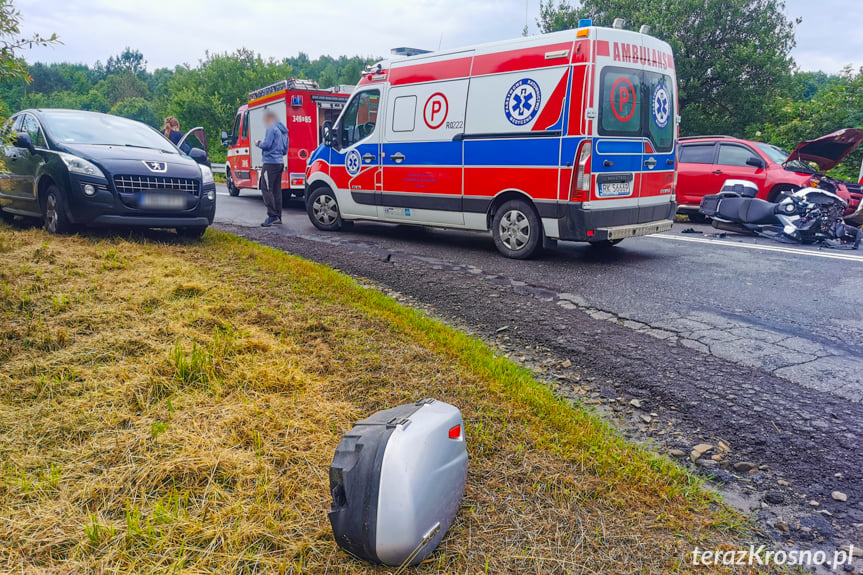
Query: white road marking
[(837, 255)]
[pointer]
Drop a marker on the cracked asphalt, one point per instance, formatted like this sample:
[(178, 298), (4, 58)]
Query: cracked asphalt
[(747, 347)]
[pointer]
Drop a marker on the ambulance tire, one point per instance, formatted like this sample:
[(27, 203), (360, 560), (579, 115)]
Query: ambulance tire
[(516, 230), (323, 210)]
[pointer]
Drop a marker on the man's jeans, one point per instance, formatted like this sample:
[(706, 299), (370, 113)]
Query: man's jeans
[(271, 187)]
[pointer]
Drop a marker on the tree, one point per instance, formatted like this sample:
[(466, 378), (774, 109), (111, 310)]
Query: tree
[(11, 43), (128, 60), (731, 56), (137, 109), (837, 104)]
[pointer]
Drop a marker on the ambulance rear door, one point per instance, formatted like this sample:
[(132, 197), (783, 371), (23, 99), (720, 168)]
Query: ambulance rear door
[(660, 130), (618, 150)]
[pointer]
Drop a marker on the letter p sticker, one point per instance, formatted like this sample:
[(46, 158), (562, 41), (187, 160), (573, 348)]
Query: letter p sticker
[(435, 111)]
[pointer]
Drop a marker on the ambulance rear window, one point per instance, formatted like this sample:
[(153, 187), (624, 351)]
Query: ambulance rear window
[(621, 105), (660, 97)]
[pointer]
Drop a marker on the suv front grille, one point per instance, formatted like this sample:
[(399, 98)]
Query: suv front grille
[(137, 184)]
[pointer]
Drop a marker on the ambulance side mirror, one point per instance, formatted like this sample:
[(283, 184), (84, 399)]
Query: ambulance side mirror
[(327, 134)]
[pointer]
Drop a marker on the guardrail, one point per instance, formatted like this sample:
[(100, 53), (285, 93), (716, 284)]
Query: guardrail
[(219, 168)]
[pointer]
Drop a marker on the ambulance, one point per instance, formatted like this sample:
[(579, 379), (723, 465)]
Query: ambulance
[(304, 108), (563, 136)]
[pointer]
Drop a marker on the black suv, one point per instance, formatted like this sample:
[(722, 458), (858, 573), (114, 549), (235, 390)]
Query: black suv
[(83, 168)]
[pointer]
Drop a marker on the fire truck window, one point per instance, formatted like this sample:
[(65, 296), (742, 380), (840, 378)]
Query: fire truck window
[(245, 133), (235, 133), (697, 153), (621, 102), (734, 156), (360, 118), (404, 114), (659, 96)]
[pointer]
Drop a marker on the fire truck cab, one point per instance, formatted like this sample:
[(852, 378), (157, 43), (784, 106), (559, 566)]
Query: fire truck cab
[(304, 108), (563, 136)]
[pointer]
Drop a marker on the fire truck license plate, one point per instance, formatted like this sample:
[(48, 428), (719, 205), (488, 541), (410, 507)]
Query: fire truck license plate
[(614, 190)]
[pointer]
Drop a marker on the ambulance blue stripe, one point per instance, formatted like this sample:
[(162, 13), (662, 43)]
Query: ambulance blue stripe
[(513, 152), (424, 153), (607, 147)]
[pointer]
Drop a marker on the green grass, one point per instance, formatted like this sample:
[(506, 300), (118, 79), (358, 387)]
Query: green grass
[(178, 408)]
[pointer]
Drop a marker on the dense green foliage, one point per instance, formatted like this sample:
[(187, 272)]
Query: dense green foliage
[(207, 94), (734, 68)]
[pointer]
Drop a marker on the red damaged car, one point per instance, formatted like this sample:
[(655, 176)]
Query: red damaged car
[(706, 162)]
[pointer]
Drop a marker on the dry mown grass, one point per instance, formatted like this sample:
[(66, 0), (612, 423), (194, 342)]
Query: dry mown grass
[(174, 408)]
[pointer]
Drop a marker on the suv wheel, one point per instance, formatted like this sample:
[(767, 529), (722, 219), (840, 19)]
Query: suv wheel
[(54, 212), (233, 190), (323, 210), (516, 230), (193, 232)]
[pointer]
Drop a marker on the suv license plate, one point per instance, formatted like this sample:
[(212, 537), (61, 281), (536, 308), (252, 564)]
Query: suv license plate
[(615, 190), (162, 202)]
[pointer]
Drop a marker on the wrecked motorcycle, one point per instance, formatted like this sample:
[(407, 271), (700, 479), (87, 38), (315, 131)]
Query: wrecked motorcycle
[(808, 216)]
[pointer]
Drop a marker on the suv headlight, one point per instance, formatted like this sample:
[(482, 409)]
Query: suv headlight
[(206, 175), (78, 165)]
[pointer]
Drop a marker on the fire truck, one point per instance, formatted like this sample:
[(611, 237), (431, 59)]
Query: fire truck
[(563, 136), (304, 108)]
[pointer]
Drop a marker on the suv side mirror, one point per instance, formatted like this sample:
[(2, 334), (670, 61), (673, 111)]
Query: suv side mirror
[(199, 156), (22, 140), (756, 163)]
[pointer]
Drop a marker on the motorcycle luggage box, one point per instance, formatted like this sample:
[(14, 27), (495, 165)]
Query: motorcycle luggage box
[(397, 480), (743, 188)]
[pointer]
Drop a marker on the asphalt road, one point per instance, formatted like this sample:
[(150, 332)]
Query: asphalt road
[(796, 312), (681, 339)]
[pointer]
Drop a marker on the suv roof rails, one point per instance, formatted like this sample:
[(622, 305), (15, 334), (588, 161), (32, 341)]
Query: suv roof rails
[(707, 137)]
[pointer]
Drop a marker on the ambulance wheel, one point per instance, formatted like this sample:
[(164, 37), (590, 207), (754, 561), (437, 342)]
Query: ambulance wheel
[(516, 230), (233, 190), (323, 209)]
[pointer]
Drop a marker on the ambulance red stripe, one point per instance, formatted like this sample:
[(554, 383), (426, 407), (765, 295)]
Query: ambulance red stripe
[(525, 59), (430, 72)]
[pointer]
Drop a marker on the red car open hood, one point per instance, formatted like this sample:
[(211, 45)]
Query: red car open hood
[(827, 151)]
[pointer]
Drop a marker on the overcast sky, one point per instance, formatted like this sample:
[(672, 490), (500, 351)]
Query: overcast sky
[(171, 32)]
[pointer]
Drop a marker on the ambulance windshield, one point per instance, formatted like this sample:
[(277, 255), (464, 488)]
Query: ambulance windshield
[(358, 121), (638, 104)]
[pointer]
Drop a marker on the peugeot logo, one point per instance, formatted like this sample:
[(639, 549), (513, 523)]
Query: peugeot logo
[(158, 167)]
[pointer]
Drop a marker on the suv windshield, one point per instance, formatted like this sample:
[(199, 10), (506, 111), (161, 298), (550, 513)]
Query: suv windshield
[(103, 130), (775, 154)]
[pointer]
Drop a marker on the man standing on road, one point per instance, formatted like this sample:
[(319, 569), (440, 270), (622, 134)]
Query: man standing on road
[(275, 148)]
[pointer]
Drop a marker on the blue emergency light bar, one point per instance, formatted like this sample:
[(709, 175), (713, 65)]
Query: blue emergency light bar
[(585, 23)]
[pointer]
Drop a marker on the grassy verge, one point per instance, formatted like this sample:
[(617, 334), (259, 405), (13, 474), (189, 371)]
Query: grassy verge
[(175, 407)]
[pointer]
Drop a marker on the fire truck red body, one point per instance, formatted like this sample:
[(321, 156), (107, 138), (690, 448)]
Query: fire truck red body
[(303, 107)]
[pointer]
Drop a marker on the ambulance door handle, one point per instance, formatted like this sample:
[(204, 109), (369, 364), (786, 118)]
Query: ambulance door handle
[(650, 163), (369, 158), (398, 157)]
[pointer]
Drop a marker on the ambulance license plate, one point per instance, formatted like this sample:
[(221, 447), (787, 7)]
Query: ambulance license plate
[(615, 189), (153, 201)]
